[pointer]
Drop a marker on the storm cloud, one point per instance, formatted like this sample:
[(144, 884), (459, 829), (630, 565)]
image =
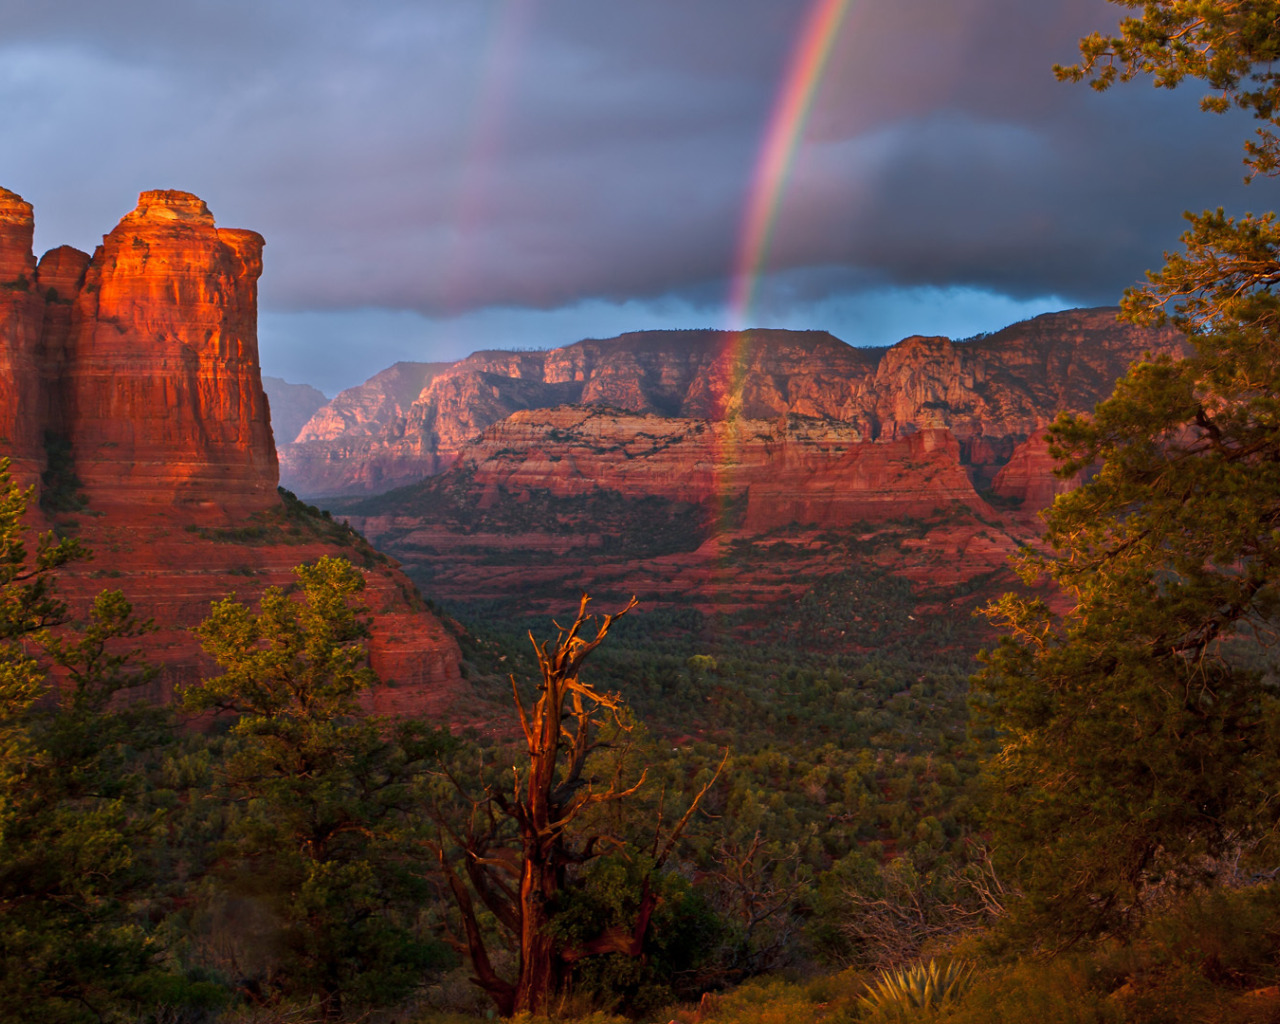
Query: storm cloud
[(449, 166)]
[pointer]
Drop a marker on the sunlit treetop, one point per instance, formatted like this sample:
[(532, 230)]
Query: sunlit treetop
[(1229, 44)]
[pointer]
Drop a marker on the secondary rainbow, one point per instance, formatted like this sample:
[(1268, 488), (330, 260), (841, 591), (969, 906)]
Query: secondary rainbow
[(499, 63)]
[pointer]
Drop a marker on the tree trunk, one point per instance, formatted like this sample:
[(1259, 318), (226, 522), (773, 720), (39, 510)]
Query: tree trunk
[(540, 967)]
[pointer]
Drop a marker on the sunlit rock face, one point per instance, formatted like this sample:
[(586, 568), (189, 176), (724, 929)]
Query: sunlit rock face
[(990, 393), (1029, 476), (21, 321), (164, 392), (131, 396), (140, 364), (17, 228), (792, 469)]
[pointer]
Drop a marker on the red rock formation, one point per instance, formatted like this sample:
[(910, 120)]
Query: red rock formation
[(354, 443), (1029, 475), (580, 497), (991, 392), (550, 502), (792, 469), (139, 370), (373, 408), (17, 227), (916, 475), (21, 318), (164, 389)]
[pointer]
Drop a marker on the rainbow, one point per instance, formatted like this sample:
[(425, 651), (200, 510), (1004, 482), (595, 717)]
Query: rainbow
[(777, 151), (782, 137)]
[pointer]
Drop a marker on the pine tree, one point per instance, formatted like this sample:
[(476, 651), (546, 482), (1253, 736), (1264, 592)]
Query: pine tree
[(1138, 730), (319, 792), (75, 824)]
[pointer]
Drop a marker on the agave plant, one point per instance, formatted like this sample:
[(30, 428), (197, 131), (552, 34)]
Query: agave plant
[(920, 987)]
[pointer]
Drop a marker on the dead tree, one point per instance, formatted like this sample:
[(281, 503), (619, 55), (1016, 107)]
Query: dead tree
[(758, 890), (515, 850)]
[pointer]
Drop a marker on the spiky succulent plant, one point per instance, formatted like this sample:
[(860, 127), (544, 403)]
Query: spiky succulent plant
[(919, 987)]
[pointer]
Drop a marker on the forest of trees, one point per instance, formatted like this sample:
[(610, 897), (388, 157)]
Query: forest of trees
[(265, 843)]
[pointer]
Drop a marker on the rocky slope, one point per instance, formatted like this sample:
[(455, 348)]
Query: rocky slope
[(992, 393), (131, 396)]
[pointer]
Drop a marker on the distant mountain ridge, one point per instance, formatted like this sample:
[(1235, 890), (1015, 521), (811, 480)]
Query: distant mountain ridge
[(992, 392), (292, 405)]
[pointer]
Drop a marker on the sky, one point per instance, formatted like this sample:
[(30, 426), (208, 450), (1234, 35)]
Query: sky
[(439, 176)]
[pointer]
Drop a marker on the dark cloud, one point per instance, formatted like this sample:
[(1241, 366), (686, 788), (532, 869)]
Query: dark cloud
[(441, 157)]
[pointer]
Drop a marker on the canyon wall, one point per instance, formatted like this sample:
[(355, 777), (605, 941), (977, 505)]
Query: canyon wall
[(357, 444), (790, 469), (718, 514), (928, 458), (991, 392), (131, 397)]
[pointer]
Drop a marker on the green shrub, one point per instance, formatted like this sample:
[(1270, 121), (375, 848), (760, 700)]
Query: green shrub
[(1065, 990)]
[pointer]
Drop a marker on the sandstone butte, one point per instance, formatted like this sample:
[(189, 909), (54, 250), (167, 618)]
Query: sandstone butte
[(991, 393), (131, 398)]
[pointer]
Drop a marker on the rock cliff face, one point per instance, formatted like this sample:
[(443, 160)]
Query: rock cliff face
[(356, 442), (721, 514), (140, 363), (794, 469), (991, 393), (164, 394), (1029, 478), (700, 481), (21, 350), (130, 393)]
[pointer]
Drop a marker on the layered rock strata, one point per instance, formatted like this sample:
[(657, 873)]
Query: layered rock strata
[(720, 514), (991, 392), (793, 469), (131, 395), (22, 402), (163, 386), (142, 360), (356, 443), (1030, 477)]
